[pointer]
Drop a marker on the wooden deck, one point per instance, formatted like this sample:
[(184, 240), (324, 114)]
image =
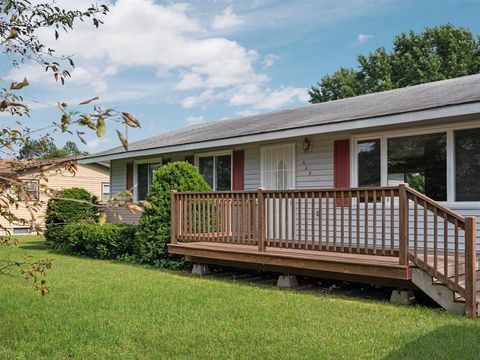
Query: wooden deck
[(352, 264), (374, 235)]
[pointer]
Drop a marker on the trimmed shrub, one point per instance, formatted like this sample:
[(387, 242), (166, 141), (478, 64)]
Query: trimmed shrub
[(153, 232), (62, 211), (101, 241)]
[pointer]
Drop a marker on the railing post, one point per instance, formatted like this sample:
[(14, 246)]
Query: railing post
[(261, 220), (470, 267), (173, 217), (403, 224)]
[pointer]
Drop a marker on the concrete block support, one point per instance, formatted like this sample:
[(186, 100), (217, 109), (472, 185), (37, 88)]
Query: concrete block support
[(200, 269), (287, 281), (402, 297)]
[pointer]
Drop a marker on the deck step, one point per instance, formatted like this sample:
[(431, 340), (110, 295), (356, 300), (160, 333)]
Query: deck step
[(461, 280), (441, 294)]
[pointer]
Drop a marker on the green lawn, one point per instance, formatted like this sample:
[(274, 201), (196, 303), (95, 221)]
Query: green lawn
[(102, 309)]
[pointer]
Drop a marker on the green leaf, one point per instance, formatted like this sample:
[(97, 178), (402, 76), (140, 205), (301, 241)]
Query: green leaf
[(101, 127), (123, 140)]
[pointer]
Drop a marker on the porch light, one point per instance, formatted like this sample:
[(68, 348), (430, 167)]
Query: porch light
[(307, 145)]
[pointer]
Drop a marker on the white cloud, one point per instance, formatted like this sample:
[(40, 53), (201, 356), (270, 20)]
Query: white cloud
[(361, 38), (247, 112), (195, 120), (226, 20), (204, 98), (142, 33), (281, 97), (254, 95), (95, 143), (269, 60)]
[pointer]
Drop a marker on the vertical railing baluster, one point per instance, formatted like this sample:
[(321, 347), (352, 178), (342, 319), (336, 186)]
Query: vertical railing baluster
[(425, 234), (383, 222), (392, 223), (306, 221), (334, 225), (320, 219), (261, 220), (357, 211), (350, 214), (403, 223), (299, 199), (366, 221), (312, 222), (374, 222), (327, 220), (342, 221)]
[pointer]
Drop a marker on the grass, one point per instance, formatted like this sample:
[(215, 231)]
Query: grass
[(101, 309)]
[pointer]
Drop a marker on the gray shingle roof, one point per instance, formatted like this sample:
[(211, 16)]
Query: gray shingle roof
[(421, 97)]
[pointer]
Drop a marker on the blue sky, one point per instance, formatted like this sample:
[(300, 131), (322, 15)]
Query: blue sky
[(172, 64)]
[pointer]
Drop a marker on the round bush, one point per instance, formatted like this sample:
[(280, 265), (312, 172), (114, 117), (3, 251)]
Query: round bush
[(61, 211), (153, 233)]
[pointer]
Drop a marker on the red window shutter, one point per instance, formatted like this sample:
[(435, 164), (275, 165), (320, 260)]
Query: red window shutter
[(341, 167), (238, 158), (189, 159), (129, 184)]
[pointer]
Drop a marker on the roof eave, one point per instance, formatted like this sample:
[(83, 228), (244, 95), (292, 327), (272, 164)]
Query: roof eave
[(355, 124)]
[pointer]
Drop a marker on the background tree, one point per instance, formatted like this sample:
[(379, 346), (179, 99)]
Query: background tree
[(21, 22), (45, 148), (438, 53)]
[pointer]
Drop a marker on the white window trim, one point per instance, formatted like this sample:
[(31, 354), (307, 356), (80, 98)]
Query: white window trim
[(109, 190), (216, 153), (277, 146), (431, 129), (135, 174)]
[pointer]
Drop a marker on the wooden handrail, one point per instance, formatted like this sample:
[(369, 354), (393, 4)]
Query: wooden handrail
[(435, 204)]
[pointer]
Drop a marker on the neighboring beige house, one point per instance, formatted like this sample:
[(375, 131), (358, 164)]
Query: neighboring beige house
[(54, 174)]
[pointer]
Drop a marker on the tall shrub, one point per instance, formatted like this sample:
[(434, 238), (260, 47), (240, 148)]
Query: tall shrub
[(153, 233), (60, 210)]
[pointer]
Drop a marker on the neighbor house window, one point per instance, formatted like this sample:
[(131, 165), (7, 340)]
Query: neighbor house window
[(467, 165), (278, 167), (421, 162), (216, 169), (105, 192), (145, 177), (20, 231), (32, 189), (369, 164)]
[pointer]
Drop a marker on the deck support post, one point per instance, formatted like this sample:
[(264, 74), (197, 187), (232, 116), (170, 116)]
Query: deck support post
[(403, 225), (470, 267), (173, 217), (287, 281), (261, 220)]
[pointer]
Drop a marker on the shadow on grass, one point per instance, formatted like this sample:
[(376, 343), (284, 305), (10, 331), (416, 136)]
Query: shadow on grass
[(448, 342), (34, 245)]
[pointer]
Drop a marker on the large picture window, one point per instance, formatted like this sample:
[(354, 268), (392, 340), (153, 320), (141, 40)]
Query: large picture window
[(421, 162), (369, 163), (278, 164), (467, 165), (216, 170), (145, 177)]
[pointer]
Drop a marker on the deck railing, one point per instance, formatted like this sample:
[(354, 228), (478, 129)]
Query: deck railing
[(385, 221)]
